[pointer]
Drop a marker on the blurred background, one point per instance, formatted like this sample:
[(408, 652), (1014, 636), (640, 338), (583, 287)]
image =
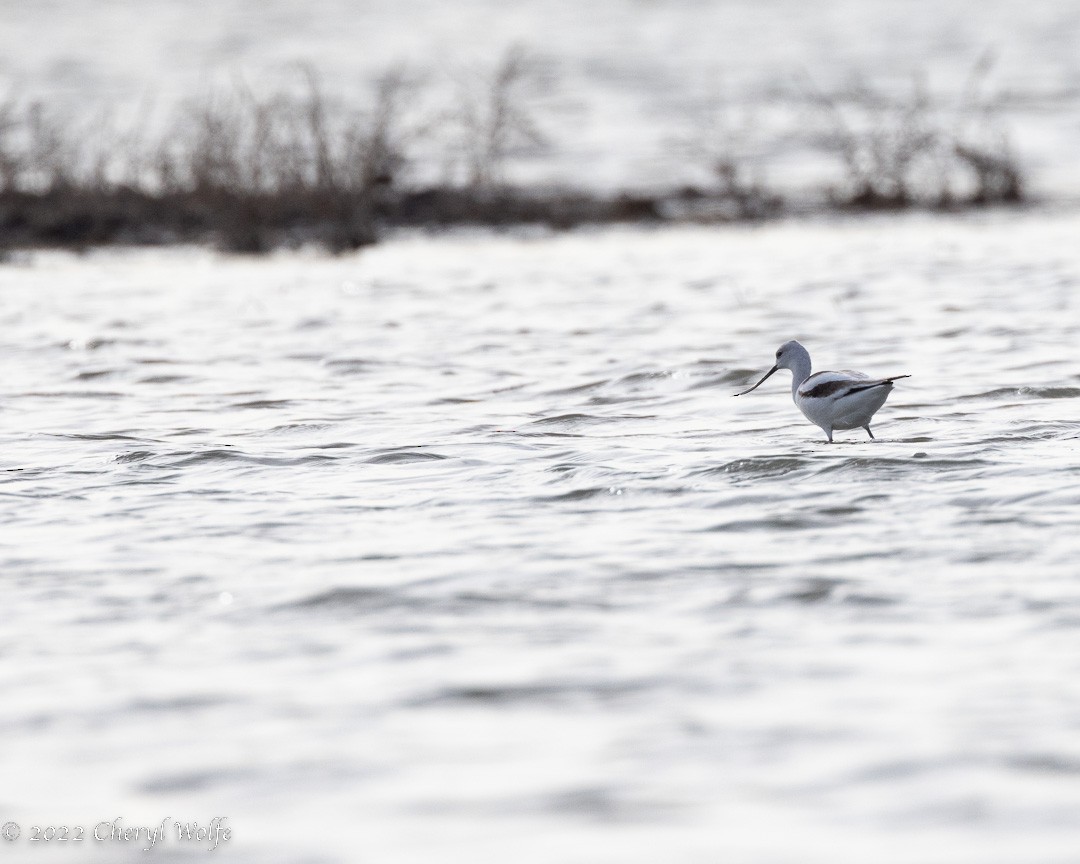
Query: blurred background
[(692, 110)]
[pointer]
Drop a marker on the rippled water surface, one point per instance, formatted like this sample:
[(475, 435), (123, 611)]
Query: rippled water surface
[(459, 549)]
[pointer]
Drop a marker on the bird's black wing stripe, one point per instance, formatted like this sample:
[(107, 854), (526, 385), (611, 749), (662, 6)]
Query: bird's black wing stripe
[(826, 388), (858, 388), (843, 388)]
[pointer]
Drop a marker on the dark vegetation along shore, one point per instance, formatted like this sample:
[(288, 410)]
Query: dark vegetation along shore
[(251, 173)]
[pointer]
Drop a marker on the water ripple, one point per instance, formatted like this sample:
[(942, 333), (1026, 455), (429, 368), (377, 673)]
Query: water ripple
[(491, 514)]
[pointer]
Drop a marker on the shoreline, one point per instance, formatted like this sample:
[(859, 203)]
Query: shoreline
[(78, 219), (250, 173)]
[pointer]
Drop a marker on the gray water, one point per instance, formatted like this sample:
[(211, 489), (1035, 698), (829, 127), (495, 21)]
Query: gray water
[(459, 550)]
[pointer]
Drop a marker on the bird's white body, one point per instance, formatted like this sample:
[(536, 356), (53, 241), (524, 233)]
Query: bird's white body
[(831, 400)]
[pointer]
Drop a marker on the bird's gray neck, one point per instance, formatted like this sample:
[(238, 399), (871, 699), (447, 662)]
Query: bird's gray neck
[(800, 371)]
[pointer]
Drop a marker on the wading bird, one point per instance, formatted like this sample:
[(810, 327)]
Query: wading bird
[(831, 400)]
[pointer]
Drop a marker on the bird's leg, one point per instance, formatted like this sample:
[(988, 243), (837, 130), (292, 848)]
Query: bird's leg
[(868, 432)]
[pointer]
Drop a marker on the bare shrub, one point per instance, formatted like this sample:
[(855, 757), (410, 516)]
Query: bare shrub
[(981, 141), (903, 150), (10, 157), (37, 148), (491, 121), (254, 171), (879, 141), (730, 142), (290, 162), (378, 149), (298, 164)]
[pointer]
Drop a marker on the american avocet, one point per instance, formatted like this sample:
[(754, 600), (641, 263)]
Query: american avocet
[(831, 400)]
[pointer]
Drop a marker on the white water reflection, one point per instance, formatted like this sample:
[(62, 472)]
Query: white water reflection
[(509, 573)]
